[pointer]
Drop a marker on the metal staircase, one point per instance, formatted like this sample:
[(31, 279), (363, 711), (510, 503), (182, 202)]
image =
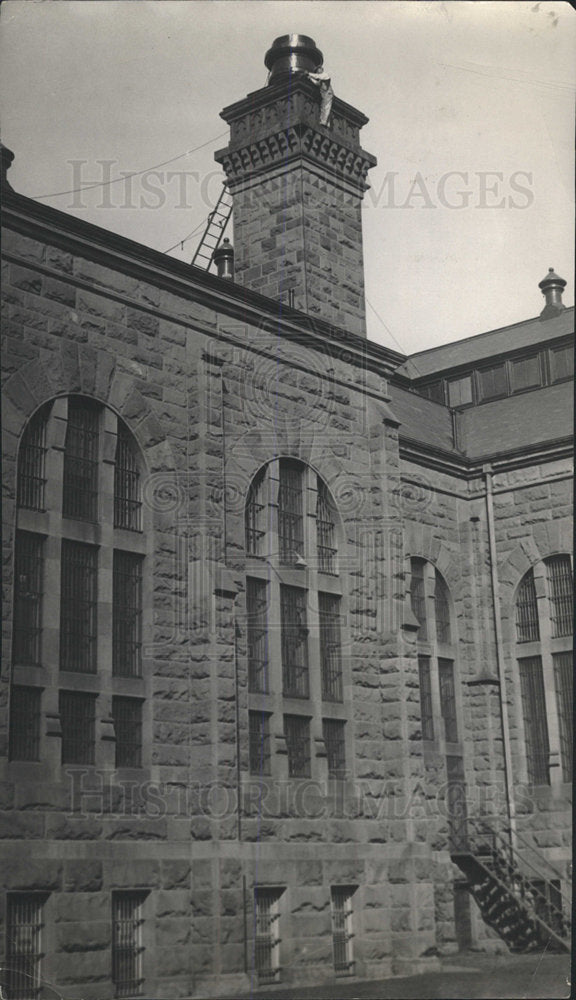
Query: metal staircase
[(214, 231), (516, 889)]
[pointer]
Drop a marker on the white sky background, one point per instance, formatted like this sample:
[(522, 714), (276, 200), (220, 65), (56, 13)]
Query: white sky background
[(456, 86)]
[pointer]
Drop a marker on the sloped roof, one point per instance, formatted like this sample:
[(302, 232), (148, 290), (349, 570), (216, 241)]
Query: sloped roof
[(421, 419), (516, 422), (483, 346)]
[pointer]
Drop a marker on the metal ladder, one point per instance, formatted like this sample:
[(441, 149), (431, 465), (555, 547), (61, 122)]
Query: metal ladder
[(215, 228)]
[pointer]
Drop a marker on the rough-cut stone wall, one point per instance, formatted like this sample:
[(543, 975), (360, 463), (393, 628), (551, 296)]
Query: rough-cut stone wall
[(206, 412), (300, 231)]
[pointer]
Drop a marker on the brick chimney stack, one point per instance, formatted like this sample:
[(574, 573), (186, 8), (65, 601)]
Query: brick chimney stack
[(297, 188)]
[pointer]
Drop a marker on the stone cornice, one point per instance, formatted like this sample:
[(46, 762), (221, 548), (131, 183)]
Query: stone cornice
[(298, 143)]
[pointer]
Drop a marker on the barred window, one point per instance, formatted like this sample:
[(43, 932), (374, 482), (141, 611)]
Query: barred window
[(535, 721), (80, 479), (290, 511), (297, 733), (127, 614), (326, 530), (127, 715), (527, 627), (525, 373), (333, 731), (259, 736), (426, 698), (342, 930), (28, 588), (418, 595), (78, 607), (448, 699), (267, 934), (493, 382), (127, 944), (442, 609), (255, 516), (330, 647), (560, 586), (257, 629), (127, 491), (32, 462), (24, 924), (25, 704), (294, 633), (564, 681), (77, 720)]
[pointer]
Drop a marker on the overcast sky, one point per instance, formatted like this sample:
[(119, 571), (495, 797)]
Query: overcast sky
[(471, 109)]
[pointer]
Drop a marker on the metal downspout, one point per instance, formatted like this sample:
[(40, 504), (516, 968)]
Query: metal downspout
[(508, 778)]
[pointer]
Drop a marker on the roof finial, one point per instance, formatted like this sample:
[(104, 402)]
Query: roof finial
[(552, 287)]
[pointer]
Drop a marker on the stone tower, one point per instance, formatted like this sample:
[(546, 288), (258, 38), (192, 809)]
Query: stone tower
[(297, 188)]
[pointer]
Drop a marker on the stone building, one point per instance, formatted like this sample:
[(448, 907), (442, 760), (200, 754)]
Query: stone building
[(287, 682)]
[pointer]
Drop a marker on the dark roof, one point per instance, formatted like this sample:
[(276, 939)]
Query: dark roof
[(421, 419), (521, 421), (484, 346)]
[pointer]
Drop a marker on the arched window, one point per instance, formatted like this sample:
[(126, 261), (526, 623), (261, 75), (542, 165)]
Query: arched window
[(78, 588), (543, 615), (296, 669), (439, 692)]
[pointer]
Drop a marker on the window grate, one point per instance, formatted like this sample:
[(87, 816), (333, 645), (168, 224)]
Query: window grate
[(295, 675), (330, 647), (23, 946), (561, 590), (127, 491), (448, 699), (25, 704), (77, 719), (127, 615), (78, 608), (259, 736), (527, 627), (80, 479), (563, 678), (325, 527), (28, 575), (535, 721), (127, 947), (342, 933), (442, 609), (290, 516), (418, 595), (32, 463), (255, 516), (297, 733), (127, 715), (266, 935), (333, 731), (257, 634), (426, 698)]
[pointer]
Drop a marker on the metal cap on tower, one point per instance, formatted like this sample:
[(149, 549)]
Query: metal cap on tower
[(292, 54), (552, 287)]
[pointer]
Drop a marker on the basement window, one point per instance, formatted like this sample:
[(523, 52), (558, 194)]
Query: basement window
[(267, 934)]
